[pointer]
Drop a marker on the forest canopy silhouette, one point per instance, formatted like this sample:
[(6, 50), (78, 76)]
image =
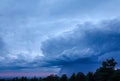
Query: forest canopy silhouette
[(107, 72)]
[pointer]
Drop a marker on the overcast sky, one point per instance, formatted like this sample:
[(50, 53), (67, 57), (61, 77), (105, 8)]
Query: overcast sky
[(50, 35)]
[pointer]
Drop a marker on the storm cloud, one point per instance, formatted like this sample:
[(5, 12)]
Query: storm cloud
[(51, 34), (84, 46)]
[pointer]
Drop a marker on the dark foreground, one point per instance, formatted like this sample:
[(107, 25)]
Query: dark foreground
[(106, 72)]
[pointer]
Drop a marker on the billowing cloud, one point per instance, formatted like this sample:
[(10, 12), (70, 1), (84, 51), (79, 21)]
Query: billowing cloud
[(25, 24), (84, 46)]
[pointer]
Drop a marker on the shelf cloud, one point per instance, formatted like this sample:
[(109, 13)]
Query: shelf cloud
[(84, 46), (55, 36)]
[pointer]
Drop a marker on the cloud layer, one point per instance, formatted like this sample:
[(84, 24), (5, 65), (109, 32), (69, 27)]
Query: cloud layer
[(26, 24), (84, 46)]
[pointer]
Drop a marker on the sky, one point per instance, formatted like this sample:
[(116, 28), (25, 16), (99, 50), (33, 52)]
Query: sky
[(55, 36)]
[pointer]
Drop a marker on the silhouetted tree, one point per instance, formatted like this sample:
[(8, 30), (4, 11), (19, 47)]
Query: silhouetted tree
[(56, 78), (34, 79), (106, 71), (2, 80), (90, 76), (64, 78), (50, 78), (73, 77), (115, 76), (80, 77), (24, 79), (40, 79), (16, 79), (109, 64)]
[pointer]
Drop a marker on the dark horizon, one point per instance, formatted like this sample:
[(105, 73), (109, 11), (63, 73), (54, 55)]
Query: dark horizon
[(106, 72)]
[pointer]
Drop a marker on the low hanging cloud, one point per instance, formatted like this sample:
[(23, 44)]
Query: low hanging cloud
[(84, 46)]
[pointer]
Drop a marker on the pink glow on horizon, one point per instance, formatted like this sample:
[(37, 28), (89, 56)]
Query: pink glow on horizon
[(27, 74)]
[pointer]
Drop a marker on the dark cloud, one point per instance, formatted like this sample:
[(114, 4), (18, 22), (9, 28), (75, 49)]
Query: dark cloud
[(84, 45), (25, 23)]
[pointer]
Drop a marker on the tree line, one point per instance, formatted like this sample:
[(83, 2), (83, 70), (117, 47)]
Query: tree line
[(106, 72)]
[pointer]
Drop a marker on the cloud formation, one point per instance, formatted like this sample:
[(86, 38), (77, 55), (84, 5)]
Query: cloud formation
[(85, 45), (25, 24)]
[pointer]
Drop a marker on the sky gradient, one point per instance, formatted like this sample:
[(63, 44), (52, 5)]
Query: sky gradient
[(55, 36)]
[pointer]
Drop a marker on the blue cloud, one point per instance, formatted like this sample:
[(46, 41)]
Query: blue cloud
[(86, 44), (25, 24), (3, 49)]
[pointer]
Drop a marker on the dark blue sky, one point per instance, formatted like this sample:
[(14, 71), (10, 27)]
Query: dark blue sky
[(50, 36)]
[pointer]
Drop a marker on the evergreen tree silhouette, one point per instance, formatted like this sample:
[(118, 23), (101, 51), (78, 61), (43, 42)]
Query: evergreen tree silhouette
[(106, 71), (80, 77), (90, 76), (64, 78), (73, 77)]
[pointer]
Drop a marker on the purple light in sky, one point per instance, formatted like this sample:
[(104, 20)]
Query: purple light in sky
[(27, 74)]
